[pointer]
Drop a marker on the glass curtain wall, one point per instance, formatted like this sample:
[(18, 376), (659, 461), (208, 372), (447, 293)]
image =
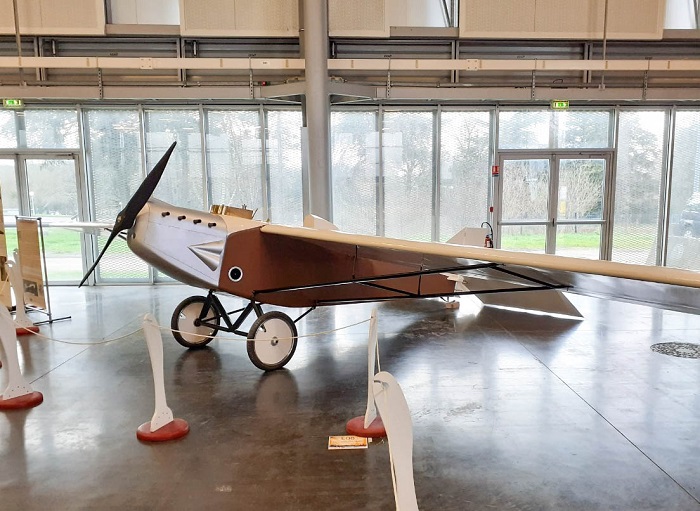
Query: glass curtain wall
[(116, 170), (52, 129), (549, 129), (8, 130), (638, 186), (408, 158), (234, 158), (684, 211), (183, 181), (385, 183), (284, 166), (465, 154), (355, 170)]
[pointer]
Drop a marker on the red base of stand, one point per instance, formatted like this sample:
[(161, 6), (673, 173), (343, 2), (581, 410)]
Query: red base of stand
[(171, 431), (22, 402), (356, 427), (26, 330)]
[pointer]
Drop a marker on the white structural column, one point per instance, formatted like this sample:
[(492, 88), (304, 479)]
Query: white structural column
[(317, 106)]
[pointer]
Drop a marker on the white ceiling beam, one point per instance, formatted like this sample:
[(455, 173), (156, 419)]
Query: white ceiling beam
[(487, 94), (158, 63), (497, 94)]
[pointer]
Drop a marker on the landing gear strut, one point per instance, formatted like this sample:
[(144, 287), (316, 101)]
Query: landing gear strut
[(272, 339)]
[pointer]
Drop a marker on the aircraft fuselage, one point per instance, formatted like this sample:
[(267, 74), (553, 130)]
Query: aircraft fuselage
[(232, 254)]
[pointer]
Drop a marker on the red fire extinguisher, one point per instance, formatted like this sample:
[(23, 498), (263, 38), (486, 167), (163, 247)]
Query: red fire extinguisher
[(488, 240)]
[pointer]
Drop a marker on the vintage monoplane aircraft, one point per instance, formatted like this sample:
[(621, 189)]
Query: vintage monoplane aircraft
[(229, 252)]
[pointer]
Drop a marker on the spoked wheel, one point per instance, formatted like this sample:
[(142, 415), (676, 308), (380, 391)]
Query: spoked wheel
[(272, 340), (192, 334)]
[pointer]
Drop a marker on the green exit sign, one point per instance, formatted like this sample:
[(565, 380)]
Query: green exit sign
[(560, 104), (12, 103)]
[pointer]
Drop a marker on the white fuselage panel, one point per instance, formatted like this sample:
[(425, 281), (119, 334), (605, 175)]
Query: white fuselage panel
[(163, 234)]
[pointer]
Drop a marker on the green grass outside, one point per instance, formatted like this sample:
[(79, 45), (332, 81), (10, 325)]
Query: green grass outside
[(63, 242), (623, 241), (56, 241)]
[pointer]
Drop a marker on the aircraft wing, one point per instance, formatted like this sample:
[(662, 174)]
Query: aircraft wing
[(486, 272), (95, 228)]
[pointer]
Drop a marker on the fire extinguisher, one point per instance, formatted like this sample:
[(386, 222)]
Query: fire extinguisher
[(488, 240)]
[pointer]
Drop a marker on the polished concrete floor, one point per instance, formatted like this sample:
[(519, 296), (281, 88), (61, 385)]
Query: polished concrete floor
[(511, 411)]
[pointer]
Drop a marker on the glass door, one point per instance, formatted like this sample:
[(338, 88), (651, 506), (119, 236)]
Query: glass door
[(553, 203), (52, 193), (10, 199), (579, 219), (10, 208), (525, 205)]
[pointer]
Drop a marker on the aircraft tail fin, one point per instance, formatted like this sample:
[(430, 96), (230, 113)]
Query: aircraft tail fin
[(472, 236), (316, 222)]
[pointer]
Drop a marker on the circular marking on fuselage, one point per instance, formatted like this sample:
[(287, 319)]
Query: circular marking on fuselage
[(235, 274)]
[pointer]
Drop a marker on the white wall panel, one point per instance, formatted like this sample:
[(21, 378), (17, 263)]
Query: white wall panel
[(151, 12), (123, 11), (208, 17), (580, 19), (271, 18), (50, 17), (415, 13), (559, 19), (29, 15), (72, 17), (280, 17), (497, 18), (636, 19), (359, 18), (7, 22)]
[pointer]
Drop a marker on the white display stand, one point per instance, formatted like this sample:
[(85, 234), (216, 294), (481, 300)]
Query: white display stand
[(19, 393), (370, 425), (23, 324), (372, 368), (162, 425), (392, 406)]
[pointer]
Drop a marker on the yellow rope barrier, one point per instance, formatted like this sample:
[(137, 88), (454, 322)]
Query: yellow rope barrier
[(165, 329)]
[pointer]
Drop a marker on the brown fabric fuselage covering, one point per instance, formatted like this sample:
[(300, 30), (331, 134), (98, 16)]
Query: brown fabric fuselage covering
[(270, 261)]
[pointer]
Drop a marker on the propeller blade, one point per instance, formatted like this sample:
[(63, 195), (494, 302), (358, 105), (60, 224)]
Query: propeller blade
[(112, 235), (127, 216)]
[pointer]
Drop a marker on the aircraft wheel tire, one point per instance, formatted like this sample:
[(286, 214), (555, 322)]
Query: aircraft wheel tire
[(272, 340), (185, 318)]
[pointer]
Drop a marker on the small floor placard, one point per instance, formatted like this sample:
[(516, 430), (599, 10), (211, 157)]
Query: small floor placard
[(347, 442)]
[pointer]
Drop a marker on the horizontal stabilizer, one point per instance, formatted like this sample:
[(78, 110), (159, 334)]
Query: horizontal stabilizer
[(550, 301)]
